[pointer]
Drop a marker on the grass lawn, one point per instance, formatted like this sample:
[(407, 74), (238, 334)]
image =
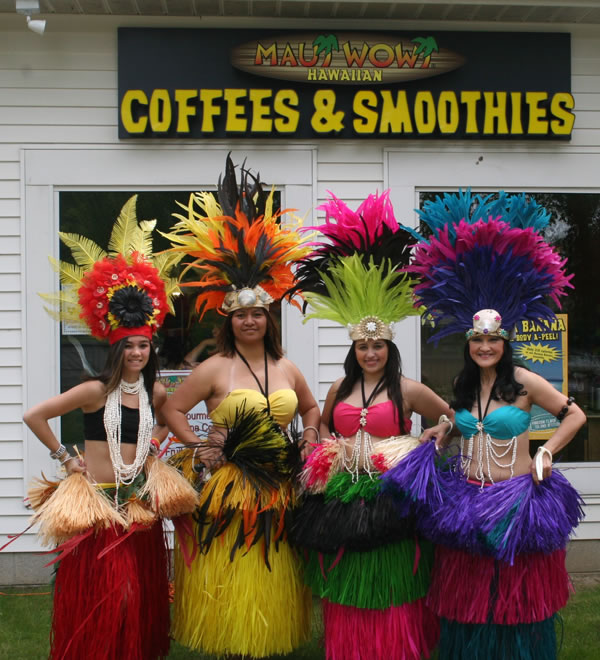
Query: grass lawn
[(25, 621)]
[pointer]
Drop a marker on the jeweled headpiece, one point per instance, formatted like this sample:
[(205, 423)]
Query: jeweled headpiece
[(124, 292), (487, 322), (486, 265), (354, 276), (240, 248)]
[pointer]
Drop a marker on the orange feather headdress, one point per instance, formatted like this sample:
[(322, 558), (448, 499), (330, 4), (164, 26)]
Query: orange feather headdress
[(241, 250)]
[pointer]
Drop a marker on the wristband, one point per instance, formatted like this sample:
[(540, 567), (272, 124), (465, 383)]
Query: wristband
[(315, 429), (59, 452), (445, 419), (539, 461)]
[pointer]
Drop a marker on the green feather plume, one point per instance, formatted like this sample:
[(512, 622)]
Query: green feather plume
[(356, 290)]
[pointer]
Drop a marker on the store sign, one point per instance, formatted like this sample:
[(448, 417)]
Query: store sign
[(345, 58), (542, 347), (194, 83)]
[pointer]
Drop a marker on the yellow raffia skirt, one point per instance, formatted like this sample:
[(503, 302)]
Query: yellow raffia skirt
[(240, 607)]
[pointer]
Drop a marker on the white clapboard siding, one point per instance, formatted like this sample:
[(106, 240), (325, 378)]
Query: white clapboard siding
[(57, 116), (61, 98), (10, 375)]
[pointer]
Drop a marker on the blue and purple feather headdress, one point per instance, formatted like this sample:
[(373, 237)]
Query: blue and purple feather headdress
[(486, 253)]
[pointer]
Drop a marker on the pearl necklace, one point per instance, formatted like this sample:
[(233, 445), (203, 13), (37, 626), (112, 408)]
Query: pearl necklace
[(361, 452), (490, 451), (363, 445), (126, 473)]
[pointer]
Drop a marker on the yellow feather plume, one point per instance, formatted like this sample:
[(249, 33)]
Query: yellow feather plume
[(85, 251)]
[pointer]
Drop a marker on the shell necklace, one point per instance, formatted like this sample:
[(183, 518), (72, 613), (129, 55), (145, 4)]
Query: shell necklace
[(125, 473)]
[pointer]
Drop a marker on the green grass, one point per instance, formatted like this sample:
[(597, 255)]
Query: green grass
[(25, 622)]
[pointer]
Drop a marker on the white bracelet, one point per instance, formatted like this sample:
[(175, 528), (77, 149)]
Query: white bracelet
[(445, 419), (539, 461), (59, 453), (315, 429)]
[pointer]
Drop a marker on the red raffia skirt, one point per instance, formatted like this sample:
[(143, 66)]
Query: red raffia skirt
[(112, 606)]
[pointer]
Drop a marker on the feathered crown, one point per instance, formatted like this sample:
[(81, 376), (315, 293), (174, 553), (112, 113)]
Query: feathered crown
[(124, 292), (240, 249), (354, 276), (486, 266)]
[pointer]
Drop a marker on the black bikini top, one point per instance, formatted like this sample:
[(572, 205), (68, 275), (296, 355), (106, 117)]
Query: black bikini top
[(93, 425)]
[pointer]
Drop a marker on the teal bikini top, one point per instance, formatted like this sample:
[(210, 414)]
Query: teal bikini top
[(503, 423)]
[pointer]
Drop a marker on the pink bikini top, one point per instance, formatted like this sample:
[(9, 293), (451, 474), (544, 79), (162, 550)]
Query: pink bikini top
[(382, 419)]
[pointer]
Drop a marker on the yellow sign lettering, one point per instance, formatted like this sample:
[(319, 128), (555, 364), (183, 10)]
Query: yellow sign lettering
[(425, 117), (395, 117), (560, 106), (285, 102), (184, 109), (495, 113), (448, 113), (362, 103), (130, 97), (160, 111), (537, 122), (325, 118), (235, 122), (209, 109), (470, 100)]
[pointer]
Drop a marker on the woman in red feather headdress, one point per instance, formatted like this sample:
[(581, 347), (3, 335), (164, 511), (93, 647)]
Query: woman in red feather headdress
[(111, 595)]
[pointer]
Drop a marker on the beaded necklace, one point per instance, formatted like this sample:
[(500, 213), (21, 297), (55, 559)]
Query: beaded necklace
[(362, 449), (125, 473), (488, 450)]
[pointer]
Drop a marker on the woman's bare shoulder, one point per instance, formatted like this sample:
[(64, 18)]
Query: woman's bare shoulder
[(213, 364)]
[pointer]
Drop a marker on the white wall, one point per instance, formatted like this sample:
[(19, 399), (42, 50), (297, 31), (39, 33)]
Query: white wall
[(58, 130)]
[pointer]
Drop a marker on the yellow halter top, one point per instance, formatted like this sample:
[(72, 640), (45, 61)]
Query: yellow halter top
[(283, 403)]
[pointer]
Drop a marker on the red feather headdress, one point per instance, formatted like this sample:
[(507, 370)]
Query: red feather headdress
[(124, 292)]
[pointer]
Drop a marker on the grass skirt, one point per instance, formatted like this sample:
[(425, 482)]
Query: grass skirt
[(240, 606), (111, 594), (533, 641), (396, 633), (238, 582), (366, 563), (499, 576), (114, 605)]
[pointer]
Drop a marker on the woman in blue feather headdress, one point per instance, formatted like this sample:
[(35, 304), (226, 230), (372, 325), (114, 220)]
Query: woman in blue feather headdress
[(501, 518)]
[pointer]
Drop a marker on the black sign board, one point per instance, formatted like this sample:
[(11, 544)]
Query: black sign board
[(209, 83)]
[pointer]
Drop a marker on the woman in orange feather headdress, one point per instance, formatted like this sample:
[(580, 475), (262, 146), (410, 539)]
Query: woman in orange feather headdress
[(111, 595), (241, 593)]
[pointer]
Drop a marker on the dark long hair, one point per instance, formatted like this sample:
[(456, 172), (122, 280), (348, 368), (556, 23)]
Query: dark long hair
[(226, 338), (467, 383), (112, 371), (392, 376)]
